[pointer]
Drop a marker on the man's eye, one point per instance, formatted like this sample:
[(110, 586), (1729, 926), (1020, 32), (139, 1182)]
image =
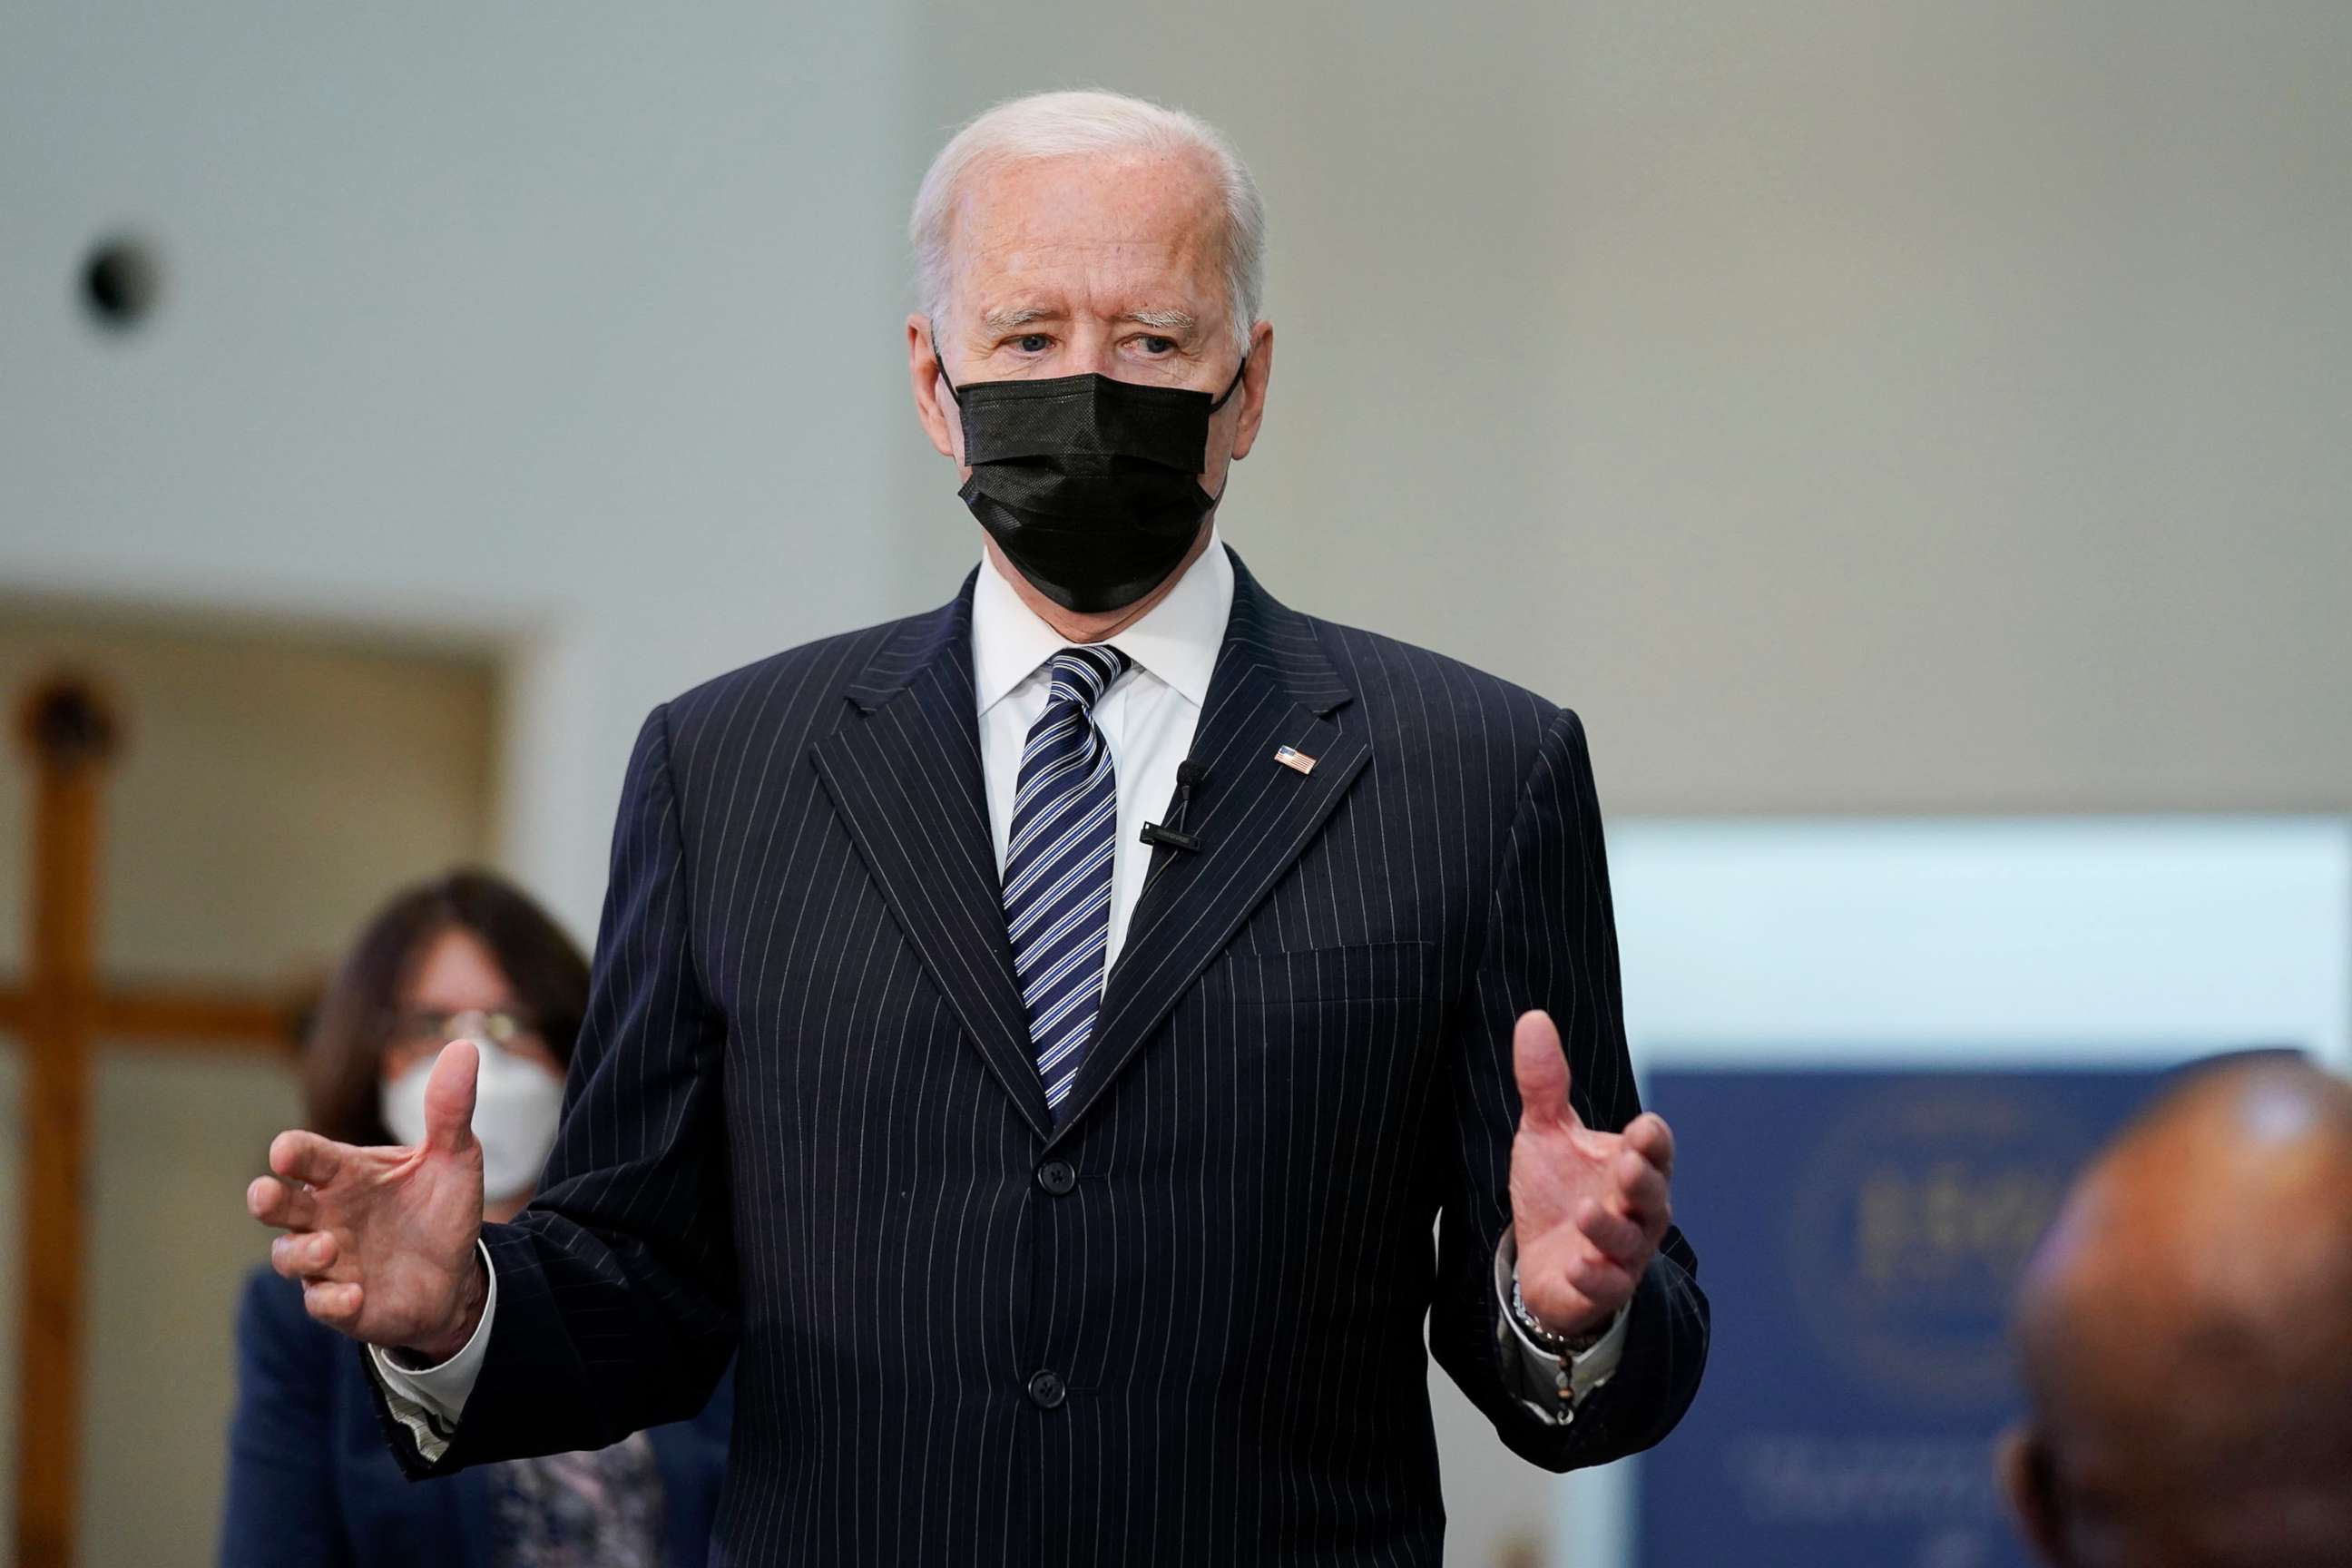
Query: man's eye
[(1158, 346), (1032, 343)]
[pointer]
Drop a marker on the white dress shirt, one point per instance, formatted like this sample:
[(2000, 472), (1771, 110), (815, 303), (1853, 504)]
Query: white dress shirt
[(1147, 717)]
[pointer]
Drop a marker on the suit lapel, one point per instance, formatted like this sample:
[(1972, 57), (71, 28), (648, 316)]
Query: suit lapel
[(904, 772), (1271, 687)]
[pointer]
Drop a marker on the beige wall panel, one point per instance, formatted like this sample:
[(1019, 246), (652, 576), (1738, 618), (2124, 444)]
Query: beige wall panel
[(274, 784)]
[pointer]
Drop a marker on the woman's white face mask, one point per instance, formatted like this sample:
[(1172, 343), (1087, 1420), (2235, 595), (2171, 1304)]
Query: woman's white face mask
[(517, 1105)]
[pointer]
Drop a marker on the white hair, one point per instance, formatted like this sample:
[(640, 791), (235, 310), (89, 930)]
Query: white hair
[(1069, 124)]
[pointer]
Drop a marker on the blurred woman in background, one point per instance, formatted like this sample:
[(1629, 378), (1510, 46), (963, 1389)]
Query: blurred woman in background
[(309, 1480)]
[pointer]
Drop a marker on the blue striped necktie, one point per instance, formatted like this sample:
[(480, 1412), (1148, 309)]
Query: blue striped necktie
[(1057, 866)]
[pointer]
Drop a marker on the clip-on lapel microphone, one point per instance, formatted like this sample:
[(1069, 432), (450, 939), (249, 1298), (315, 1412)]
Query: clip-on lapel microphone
[(1188, 774)]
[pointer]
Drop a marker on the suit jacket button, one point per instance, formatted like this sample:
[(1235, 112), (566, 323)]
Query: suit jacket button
[(1058, 1177), (1045, 1391)]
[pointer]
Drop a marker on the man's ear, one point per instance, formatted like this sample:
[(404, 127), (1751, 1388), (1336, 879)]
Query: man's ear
[(2030, 1481), (923, 378), (1257, 372)]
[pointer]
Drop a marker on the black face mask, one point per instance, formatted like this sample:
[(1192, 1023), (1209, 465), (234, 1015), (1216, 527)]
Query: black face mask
[(1090, 485)]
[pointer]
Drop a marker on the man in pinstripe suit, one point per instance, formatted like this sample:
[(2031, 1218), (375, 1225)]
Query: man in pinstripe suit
[(1066, 1187)]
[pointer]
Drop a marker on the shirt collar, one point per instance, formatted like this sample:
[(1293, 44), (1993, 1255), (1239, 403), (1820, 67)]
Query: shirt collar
[(1177, 640)]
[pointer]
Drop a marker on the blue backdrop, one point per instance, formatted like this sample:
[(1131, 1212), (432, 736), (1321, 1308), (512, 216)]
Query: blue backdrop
[(1859, 1235)]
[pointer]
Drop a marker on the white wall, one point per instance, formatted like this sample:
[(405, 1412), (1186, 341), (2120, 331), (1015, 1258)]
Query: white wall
[(1894, 405), (564, 333), (1848, 406)]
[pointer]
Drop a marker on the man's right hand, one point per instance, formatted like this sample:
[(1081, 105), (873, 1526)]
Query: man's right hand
[(382, 1239)]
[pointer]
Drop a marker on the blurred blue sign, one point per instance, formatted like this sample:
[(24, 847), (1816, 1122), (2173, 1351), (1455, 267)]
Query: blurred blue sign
[(1859, 1235)]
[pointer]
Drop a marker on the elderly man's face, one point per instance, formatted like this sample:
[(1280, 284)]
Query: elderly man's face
[(1112, 265)]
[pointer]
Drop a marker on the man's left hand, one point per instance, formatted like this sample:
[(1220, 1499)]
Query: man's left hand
[(1589, 1207)]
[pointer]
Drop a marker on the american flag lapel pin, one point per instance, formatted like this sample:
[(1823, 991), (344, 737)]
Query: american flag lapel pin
[(1293, 758)]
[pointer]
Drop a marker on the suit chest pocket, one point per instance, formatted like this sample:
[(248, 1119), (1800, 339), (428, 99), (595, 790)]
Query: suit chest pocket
[(1385, 978), (1329, 1047)]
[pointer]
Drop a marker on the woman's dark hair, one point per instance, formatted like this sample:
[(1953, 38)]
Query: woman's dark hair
[(343, 1063)]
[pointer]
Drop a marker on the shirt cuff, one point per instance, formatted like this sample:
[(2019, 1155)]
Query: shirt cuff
[(1549, 1386), (428, 1400)]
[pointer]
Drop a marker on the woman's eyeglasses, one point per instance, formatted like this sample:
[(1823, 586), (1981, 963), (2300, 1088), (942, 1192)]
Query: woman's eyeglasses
[(498, 1027)]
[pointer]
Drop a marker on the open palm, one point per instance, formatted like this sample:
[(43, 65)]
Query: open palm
[(382, 1238)]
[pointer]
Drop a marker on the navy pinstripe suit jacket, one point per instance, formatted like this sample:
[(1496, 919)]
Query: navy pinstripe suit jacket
[(803, 1119)]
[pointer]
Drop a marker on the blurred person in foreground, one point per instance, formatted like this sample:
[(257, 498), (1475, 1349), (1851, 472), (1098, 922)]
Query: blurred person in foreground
[(1043, 1032), (310, 1483), (2186, 1330)]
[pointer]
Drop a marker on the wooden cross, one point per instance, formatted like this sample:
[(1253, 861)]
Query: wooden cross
[(61, 1010)]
